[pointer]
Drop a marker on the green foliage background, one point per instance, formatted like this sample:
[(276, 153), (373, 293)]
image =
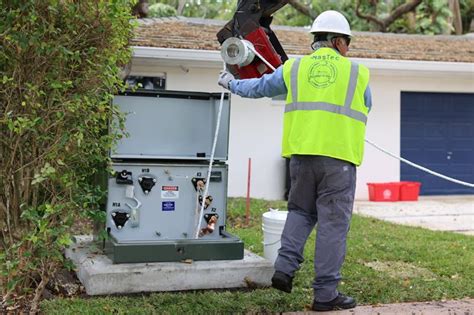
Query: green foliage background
[(158, 10), (207, 9), (431, 17), (59, 65)]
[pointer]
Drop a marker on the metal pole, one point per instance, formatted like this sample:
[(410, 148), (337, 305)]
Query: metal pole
[(247, 206)]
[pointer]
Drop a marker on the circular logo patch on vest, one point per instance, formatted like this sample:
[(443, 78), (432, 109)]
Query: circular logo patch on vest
[(322, 74)]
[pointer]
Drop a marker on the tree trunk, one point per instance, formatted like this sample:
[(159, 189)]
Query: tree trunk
[(38, 293), (141, 9), (181, 4), (411, 19), (456, 19)]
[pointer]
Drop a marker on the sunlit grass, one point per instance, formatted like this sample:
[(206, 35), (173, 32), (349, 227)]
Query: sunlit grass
[(385, 263)]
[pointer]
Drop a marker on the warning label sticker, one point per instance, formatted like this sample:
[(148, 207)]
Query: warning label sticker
[(169, 192), (167, 206)]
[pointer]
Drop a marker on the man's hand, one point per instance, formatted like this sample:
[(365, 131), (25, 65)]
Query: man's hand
[(224, 79)]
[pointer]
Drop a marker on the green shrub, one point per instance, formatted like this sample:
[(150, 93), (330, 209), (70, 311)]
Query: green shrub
[(59, 65), (158, 10)]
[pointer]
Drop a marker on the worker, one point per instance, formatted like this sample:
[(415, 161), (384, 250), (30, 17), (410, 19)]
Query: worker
[(327, 103)]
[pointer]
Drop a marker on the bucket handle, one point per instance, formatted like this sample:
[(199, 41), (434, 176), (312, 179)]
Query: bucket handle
[(270, 244), (273, 243)]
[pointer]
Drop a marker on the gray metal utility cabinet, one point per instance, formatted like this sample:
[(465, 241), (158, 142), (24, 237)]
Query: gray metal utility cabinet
[(156, 193), (170, 125)]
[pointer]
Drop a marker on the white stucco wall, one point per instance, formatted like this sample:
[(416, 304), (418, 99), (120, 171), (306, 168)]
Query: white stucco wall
[(256, 125)]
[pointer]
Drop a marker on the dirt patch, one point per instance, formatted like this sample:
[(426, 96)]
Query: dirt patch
[(400, 269), (62, 284)]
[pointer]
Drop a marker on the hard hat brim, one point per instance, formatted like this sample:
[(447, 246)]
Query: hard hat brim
[(329, 30)]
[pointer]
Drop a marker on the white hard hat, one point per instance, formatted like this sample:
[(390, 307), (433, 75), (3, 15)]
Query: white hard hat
[(331, 22)]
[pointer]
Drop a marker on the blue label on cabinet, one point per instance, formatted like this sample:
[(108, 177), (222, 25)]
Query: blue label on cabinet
[(167, 205)]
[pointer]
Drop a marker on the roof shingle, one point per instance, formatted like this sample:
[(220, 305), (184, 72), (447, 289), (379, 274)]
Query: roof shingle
[(188, 33)]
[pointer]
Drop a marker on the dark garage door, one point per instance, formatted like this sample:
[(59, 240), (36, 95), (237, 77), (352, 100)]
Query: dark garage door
[(437, 132)]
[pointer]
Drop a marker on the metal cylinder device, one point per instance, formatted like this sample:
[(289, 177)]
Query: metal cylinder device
[(237, 51)]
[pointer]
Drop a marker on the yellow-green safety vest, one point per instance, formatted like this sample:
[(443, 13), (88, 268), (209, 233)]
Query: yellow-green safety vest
[(325, 111)]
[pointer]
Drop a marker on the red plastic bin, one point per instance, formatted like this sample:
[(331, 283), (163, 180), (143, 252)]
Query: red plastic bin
[(409, 191), (384, 191)]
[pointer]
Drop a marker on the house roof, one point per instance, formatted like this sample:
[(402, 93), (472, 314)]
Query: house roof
[(200, 34)]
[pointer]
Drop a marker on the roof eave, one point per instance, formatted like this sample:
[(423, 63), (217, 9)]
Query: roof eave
[(212, 59)]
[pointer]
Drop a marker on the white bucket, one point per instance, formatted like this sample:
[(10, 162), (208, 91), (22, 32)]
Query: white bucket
[(273, 222)]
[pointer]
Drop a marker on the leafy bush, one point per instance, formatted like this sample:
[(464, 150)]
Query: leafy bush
[(158, 10), (432, 17), (59, 65)]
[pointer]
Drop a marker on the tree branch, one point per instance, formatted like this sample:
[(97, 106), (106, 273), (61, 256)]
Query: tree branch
[(402, 9), (38, 293), (369, 18), (394, 15), (305, 9)]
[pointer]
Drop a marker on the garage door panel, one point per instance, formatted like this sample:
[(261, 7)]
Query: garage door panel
[(412, 144), (434, 131), (419, 154), (459, 156), (437, 132), (432, 144), (464, 110), (461, 130), (464, 171), (461, 145)]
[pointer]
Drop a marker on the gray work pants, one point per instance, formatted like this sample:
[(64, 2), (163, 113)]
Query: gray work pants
[(322, 191)]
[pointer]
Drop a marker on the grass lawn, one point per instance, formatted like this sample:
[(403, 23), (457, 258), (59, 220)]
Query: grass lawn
[(385, 263)]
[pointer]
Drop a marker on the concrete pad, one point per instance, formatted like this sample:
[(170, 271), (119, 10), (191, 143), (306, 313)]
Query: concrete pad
[(441, 213), (99, 276), (456, 307)]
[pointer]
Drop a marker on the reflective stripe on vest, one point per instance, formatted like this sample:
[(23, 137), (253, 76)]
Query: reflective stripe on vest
[(345, 110)]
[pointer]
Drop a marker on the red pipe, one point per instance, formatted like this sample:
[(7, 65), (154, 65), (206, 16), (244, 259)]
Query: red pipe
[(247, 206)]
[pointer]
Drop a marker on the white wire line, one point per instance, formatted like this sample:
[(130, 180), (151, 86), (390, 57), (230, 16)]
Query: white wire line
[(211, 161), (457, 181), (261, 57)]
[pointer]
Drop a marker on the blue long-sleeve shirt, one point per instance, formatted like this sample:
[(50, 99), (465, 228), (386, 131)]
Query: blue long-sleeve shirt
[(272, 84)]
